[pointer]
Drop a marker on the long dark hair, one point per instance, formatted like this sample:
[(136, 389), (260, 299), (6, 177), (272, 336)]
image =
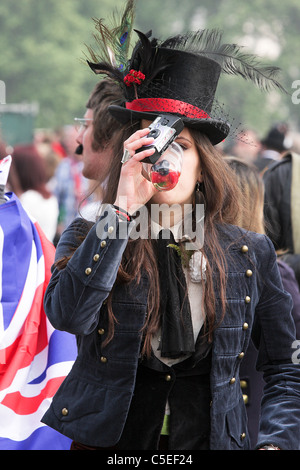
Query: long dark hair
[(139, 256), (222, 206)]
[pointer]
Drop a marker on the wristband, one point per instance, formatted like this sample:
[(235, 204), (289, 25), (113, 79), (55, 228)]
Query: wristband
[(123, 215)]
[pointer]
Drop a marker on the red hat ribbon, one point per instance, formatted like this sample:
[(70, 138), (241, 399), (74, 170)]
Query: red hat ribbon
[(167, 106)]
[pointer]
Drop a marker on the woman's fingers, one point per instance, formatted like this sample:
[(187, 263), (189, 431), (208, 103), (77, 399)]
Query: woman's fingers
[(133, 164), (138, 157), (136, 135), (134, 189)]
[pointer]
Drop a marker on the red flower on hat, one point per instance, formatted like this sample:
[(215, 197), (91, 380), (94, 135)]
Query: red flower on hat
[(134, 77)]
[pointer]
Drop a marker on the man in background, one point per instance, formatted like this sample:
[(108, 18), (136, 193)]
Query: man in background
[(80, 175)]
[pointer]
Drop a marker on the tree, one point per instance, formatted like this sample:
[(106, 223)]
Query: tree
[(268, 28), (42, 44)]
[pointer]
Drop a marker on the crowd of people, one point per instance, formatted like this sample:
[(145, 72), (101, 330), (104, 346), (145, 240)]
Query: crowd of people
[(177, 348), (46, 175), (51, 177)]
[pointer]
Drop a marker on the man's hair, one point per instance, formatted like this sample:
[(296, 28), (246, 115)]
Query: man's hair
[(105, 93)]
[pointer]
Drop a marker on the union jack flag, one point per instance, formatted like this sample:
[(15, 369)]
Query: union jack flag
[(34, 358)]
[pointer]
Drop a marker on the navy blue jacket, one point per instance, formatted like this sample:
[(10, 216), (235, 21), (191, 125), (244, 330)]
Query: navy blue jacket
[(92, 404)]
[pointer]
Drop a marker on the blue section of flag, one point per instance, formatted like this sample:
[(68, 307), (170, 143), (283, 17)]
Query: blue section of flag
[(44, 438), (60, 350), (17, 231)]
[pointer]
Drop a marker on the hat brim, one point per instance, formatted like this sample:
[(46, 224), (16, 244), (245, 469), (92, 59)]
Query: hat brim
[(215, 129)]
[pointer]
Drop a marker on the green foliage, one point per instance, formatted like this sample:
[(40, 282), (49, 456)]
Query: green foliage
[(42, 47), (268, 28), (184, 254), (43, 44)]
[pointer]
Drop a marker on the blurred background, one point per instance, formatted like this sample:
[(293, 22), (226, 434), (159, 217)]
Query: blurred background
[(47, 83)]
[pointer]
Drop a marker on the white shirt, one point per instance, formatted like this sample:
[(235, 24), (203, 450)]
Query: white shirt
[(44, 211)]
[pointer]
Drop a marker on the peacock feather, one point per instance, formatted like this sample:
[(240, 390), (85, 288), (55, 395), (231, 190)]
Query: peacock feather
[(113, 42), (113, 59)]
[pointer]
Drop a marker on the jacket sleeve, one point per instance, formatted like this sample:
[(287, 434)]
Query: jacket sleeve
[(291, 285), (277, 182), (274, 330), (75, 294)]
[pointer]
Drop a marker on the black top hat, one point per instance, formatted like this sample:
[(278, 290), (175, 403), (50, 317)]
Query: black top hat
[(186, 87), (179, 76)]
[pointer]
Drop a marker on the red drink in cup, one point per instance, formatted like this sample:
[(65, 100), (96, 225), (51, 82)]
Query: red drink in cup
[(165, 173)]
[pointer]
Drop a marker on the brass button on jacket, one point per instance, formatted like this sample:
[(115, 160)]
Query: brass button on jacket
[(243, 383), (168, 378), (103, 359), (241, 355), (244, 249), (101, 331), (246, 399), (88, 271), (232, 381), (96, 257), (249, 273), (103, 244), (64, 411), (245, 326), (247, 299)]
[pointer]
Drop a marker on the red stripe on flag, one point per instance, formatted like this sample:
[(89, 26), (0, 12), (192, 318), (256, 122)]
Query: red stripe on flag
[(33, 340), (28, 405), (48, 252)]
